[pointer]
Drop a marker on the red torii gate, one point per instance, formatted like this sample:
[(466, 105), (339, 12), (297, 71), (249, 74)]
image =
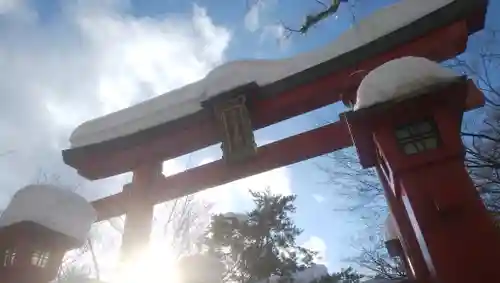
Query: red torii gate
[(439, 35)]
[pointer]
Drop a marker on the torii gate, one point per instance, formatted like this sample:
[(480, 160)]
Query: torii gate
[(140, 138)]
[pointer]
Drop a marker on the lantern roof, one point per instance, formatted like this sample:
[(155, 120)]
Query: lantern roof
[(384, 280), (208, 268), (390, 229), (57, 209), (313, 273), (188, 100), (241, 217), (399, 78)]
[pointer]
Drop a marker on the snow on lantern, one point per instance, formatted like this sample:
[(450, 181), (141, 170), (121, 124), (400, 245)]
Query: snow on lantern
[(41, 223), (392, 243), (406, 123), (399, 78), (239, 217), (408, 100), (201, 268)]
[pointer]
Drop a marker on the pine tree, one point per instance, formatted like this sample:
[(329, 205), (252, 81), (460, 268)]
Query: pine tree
[(348, 275), (262, 245)]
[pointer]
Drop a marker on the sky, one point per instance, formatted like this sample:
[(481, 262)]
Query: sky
[(65, 62)]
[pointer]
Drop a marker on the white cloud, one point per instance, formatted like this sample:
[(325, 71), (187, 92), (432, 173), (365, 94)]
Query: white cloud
[(252, 18), (260, 14), (14, 7), (93, 59), (318, 245), (275, 32), (319, 198), (140, 58), (206, 160), (235, 196), (172, 167), (9, 6), (18, 11), (261, 17)]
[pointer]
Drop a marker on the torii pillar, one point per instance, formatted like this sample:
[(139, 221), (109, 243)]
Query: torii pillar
[(415, 144), (139, 217)]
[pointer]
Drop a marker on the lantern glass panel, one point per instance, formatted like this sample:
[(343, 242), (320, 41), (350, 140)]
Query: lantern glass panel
[(418, 137), (9, 257), (40, 258)]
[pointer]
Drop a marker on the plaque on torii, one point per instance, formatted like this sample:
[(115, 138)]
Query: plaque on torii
[(234, 123), (228, 108)]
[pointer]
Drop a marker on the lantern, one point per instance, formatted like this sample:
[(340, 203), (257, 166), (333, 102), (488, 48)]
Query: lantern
[(39, 226), (406, 123), (207, 269), (392, 243), (418, 137)]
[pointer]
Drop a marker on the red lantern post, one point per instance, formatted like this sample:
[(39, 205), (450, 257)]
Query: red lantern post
[(415, 144)]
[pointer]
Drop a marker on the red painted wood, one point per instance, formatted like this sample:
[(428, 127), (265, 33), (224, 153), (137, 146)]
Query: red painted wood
[(432, 189), (460, 237), (115, 206), (138, 222), (270, 110), (278, 154), (406, 236), (467, 95)]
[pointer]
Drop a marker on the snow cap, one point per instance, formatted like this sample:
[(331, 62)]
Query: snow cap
[(315, 272), (60, 210), (390, 228), (187, 99), (383, 280), (201, 268), (400, 77), (241, 217)]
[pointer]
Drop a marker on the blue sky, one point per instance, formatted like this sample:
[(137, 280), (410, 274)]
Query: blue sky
[(70, 61)]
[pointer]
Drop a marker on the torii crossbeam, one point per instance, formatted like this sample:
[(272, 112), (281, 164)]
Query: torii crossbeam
[(140, 138)]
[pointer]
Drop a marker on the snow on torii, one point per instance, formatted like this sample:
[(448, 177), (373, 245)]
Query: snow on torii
[(187, 100), (183, 120)]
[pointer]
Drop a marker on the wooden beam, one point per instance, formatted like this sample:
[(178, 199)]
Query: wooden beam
[(274, 155), (139, 220), (276, 103), (284, 152)]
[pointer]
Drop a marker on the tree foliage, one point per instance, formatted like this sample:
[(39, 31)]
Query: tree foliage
[(262, 245), (482, 136), (347, 275)]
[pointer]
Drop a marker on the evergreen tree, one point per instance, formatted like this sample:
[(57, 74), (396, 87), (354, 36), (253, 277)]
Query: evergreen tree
[(348, 275), (260, 245), (73, 274)]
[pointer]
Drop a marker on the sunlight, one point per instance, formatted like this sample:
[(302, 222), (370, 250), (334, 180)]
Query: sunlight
[(154, 265)]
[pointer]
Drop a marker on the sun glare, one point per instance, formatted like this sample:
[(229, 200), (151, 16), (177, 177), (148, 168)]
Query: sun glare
[(154, 265)]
